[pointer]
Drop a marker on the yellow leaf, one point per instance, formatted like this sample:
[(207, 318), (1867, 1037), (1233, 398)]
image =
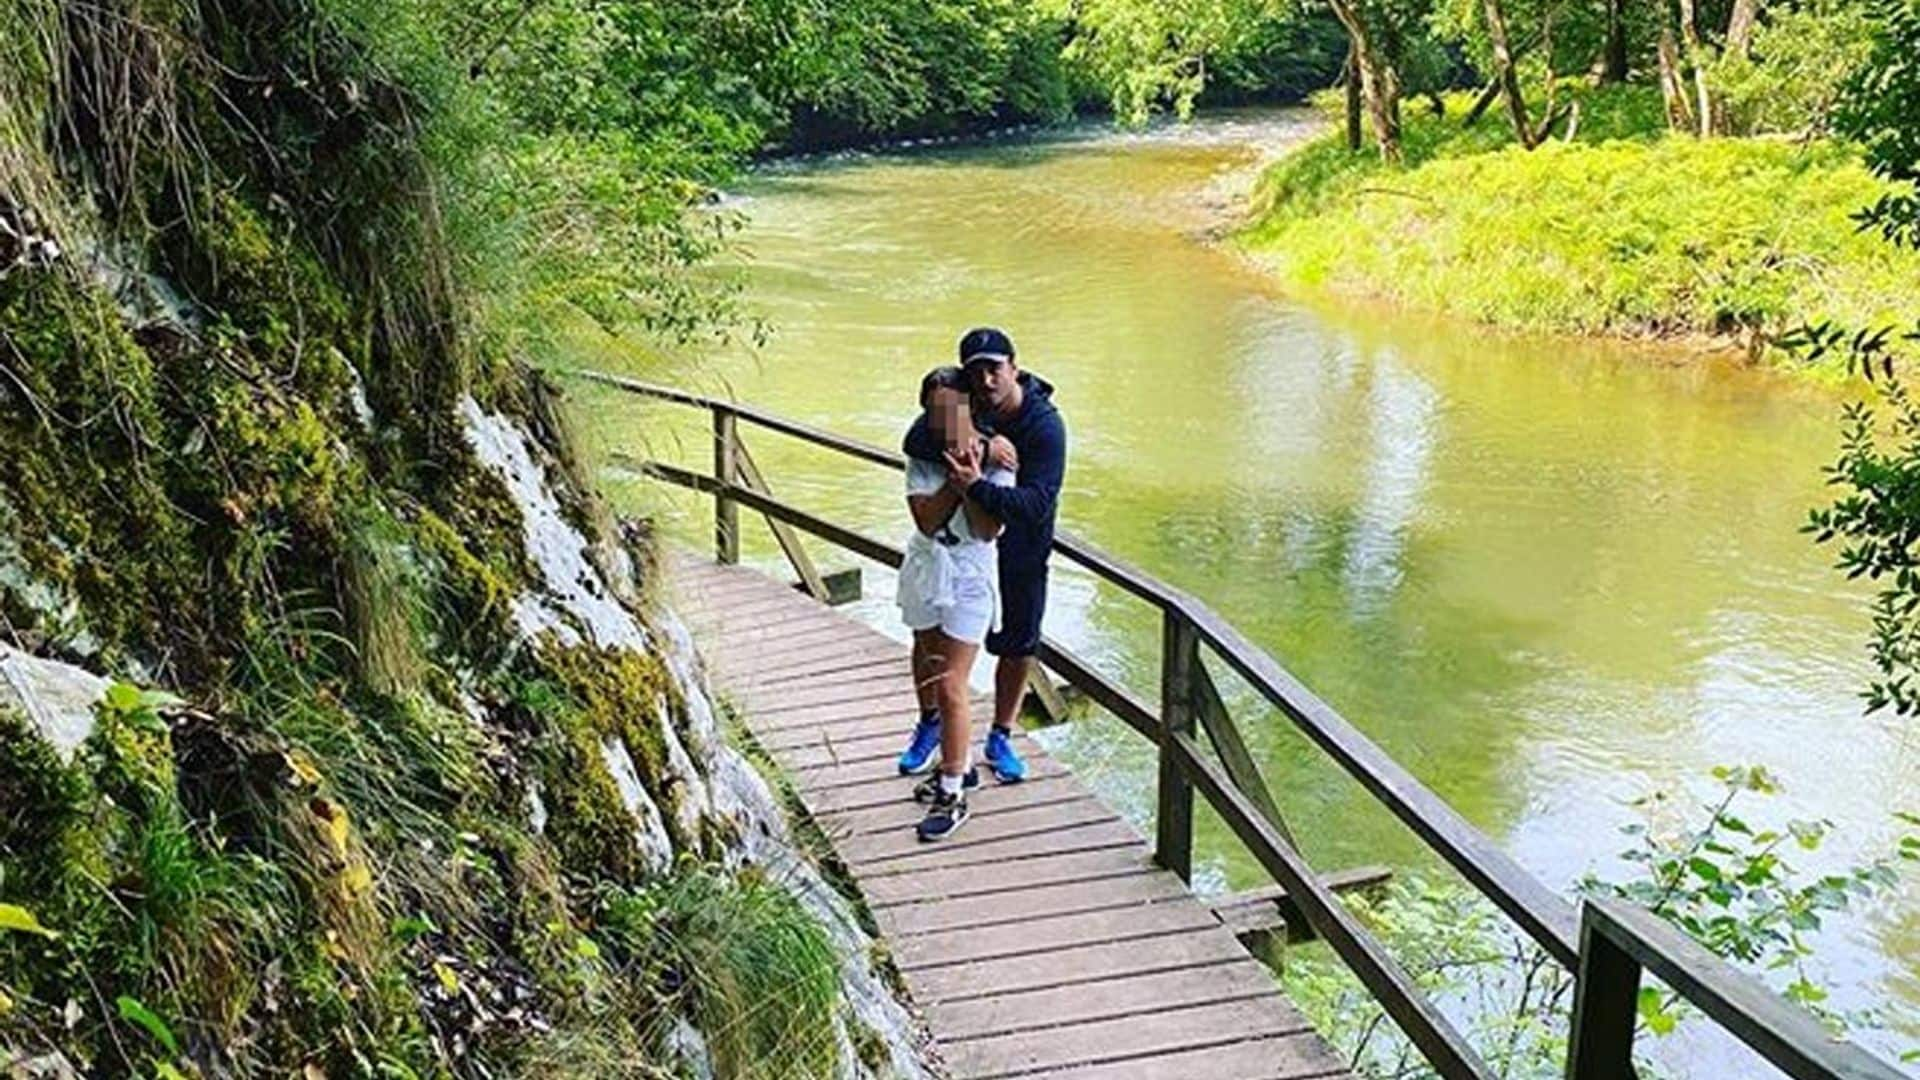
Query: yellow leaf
[(15, 917), (334, 819), (446, 976), (302, 768), (312, 1071), (356, 880), (332, 946), (6, 1003)]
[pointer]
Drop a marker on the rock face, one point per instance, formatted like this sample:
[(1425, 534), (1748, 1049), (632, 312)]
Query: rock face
[(56, 698), (711, 780)]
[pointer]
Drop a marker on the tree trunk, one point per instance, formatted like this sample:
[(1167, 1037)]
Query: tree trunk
[(1614, 57), (1697, 57), (1740, 24), (1508, 77), (1379, 85), (1351, 77), (1672, 90)]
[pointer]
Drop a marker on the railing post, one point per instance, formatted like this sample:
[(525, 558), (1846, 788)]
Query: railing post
[(1606, 997), (726, 469), (1173, 821)]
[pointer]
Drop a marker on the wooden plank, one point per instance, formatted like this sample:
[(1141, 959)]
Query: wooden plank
[(883, 737), (1008, 851), (867, 790), (868, 848), (967, 945), (1100, 1041), (1301, 1056), (765, 660), (863, 773), (832, 752), (989, 801), (851, 668), (1034, 902), (1072, 967), (798, 706), (759, 637), (1008, 1014), (936, 884)]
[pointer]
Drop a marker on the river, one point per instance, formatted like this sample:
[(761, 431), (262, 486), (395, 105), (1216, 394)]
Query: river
[(1547, 576)]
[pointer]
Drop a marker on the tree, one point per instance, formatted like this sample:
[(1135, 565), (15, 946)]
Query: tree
[(1877, 518)]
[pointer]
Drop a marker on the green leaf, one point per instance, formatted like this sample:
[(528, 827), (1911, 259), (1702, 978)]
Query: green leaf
[(132, 1009), (1706, 868), (15, 917), (123, 697)]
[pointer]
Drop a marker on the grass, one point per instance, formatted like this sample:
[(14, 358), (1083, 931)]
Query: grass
[(753, 970), (1624, 231)]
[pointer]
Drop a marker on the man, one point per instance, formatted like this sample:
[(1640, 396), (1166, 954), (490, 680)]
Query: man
[(1028, 436)]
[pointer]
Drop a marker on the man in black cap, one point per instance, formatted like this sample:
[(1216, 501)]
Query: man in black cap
[(1016, 409)]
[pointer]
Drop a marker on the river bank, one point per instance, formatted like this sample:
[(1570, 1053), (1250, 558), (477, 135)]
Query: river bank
[(1623, 232)]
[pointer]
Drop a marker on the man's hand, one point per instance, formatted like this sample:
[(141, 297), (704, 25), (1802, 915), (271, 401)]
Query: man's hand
[(1001, 454), (963, 467)]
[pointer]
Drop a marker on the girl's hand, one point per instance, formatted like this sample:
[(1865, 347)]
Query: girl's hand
[(1001, 454), (963, 467)]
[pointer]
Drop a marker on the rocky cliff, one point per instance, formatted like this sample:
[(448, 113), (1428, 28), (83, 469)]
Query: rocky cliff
[(341, 731)]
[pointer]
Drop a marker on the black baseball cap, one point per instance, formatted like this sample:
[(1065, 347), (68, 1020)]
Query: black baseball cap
[(985, 343)]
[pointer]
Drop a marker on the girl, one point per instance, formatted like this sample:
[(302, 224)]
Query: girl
[(949, 595)]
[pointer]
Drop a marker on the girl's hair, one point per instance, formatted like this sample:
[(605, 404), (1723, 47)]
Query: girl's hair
[(945, 377)]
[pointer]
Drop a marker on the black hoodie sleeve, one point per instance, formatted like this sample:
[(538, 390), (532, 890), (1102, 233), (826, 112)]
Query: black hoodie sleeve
[(1043, 466)]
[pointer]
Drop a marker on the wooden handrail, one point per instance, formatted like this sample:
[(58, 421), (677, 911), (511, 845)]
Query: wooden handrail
[(1618, 940), (1545, 916), (1607, 949)]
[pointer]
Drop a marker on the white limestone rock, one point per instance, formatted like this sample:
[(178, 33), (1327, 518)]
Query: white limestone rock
[(58, 699)]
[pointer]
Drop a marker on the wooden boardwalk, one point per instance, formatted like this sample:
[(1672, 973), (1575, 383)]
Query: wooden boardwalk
[(1040, 940)]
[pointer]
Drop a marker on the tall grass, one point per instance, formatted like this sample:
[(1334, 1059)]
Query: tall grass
[(1625, 230), (755, 972)]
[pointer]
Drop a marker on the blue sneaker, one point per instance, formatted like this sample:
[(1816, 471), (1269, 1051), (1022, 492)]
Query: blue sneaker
[(923, 750), (1001, 758)]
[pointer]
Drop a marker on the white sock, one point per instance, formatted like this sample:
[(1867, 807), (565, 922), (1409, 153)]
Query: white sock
[(953, 784)]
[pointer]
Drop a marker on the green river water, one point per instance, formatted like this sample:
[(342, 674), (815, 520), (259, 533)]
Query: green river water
[(1546, 576)]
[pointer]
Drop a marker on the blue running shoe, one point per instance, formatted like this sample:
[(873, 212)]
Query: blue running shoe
[(1001, 758), (924, 749)]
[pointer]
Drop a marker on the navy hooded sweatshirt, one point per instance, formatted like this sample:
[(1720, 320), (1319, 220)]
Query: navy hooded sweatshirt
[(1028, 508)]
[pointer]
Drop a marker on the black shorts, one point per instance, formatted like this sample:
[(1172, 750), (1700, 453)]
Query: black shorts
[(1023, 602)]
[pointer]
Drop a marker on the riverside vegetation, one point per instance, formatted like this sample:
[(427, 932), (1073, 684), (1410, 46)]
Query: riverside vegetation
[(1605, 180)]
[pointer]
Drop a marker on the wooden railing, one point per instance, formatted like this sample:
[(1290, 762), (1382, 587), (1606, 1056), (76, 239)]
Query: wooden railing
[(1606, 947)]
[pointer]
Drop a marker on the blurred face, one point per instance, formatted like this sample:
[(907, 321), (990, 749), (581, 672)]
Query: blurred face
[(950, 415), (995, 381)]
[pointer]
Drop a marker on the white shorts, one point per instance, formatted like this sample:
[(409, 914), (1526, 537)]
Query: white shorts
[(973, 613)]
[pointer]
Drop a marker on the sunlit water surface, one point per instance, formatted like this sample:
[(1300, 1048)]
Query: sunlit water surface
[(1547, 577)]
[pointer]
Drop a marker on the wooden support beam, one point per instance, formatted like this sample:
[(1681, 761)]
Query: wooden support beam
[(1268, 910), (1225, 736), (1173, 817), (726, 513), (751, 478)]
